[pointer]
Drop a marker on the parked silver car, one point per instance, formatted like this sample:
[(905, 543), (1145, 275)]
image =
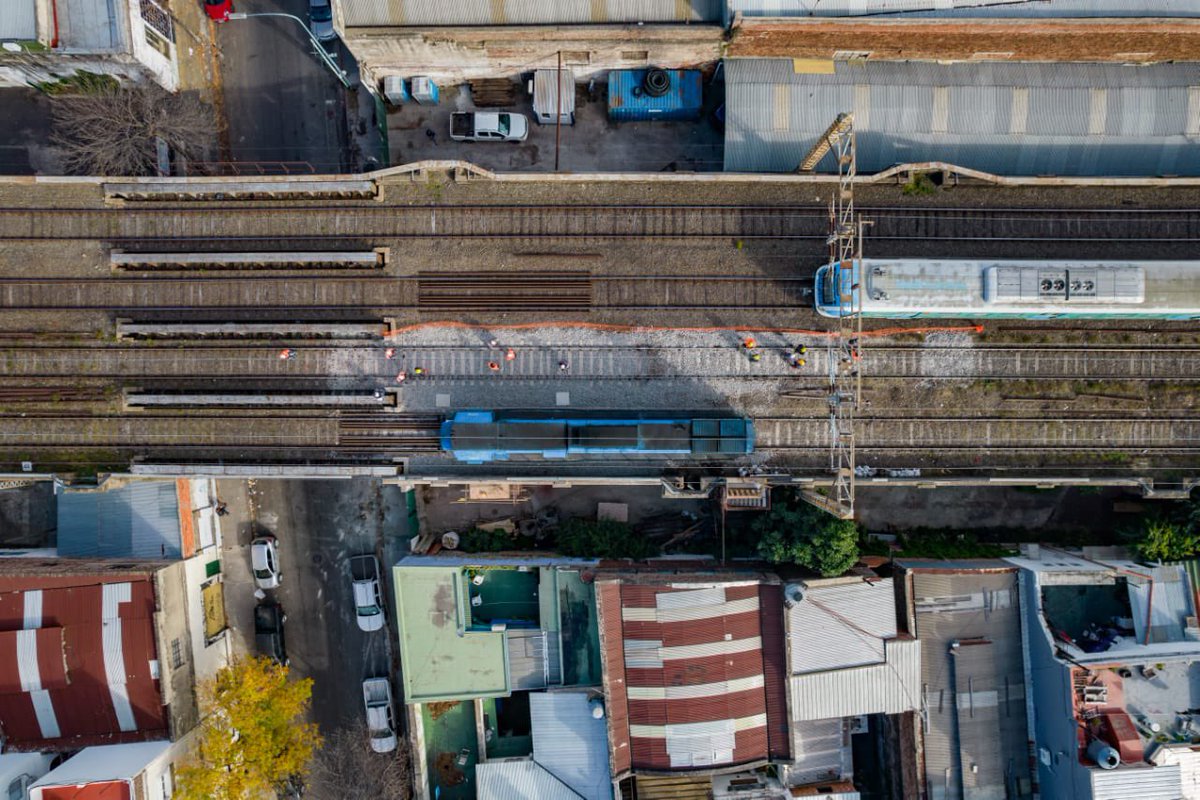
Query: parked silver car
[(368, 598), (264, 560)]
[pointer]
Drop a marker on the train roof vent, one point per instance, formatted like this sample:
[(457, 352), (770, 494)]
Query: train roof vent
[(1056, 285)]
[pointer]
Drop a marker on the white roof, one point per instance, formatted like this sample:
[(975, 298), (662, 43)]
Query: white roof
[(1167, 601), (841, 625), (889, 688), (110, 762), (518, 780), (1145, 783), (571, 743)]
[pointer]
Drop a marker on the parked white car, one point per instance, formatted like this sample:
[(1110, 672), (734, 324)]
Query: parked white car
[(488, 126), (264, 560), (368, 597), (381, 722)]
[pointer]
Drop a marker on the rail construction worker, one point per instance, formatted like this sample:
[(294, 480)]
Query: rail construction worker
[(749, 343), (510, 354), (390, 353), (562, 366), (493, 344), (287, 354), (755, 356), (801, 350), (795, 360), (401, 377), (418, 371), (493, 366)]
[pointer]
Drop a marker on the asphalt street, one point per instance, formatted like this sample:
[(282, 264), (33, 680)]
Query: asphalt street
[(281, 103), (319, 525)]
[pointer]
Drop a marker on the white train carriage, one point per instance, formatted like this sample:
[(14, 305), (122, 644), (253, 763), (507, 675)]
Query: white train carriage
[(906, 288)]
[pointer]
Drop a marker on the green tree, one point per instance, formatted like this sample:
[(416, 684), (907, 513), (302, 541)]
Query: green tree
[(253, 741), (1164, 538), (602, 539), (796, 532)]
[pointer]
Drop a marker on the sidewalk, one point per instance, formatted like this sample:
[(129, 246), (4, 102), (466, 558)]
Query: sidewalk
[(199, 59)]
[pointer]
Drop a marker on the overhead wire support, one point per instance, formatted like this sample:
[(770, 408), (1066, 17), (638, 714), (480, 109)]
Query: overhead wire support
[(845, 343)]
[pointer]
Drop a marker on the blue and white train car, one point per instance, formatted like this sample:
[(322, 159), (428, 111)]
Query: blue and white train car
[(907, 288), (478, 437)]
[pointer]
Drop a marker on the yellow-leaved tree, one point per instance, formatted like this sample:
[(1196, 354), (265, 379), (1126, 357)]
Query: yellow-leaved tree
[(253, 740)]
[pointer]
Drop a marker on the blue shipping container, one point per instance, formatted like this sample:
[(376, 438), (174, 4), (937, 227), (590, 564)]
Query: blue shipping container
[(628, 101)]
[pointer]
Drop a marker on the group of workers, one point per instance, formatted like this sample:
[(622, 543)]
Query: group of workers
[(794, 357)]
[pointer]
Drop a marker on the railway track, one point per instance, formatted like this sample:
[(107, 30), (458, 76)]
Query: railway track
[(355, 435), (985, 435), (205, 225), (453, 292), (257, 364)]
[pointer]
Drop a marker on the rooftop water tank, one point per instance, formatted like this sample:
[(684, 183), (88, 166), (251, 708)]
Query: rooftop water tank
[(1104, 754)]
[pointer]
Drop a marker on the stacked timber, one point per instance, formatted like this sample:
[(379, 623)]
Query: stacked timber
[(493, 92)]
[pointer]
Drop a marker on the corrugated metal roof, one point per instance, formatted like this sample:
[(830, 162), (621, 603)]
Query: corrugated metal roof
[(1147, 783), (1167, 600), (84, 709), (19, 21), (570, 743), (418, 13), (842, 625), (139, 520), (822, 752), (518, 780), (966, 8), (890, 688), (973, 695), (533, 660), (1071, 119), (712, 636)]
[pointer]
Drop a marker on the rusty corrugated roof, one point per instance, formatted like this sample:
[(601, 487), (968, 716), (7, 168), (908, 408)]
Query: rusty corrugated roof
[(88, 687), (693, 672)]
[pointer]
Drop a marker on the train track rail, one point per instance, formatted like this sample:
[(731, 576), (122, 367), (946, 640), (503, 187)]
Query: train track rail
[(464, 292), (361, 434), (1029, 434), (206, 225), (257, 364)]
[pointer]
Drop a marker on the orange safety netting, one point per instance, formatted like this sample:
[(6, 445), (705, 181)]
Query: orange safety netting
[(603, 326)]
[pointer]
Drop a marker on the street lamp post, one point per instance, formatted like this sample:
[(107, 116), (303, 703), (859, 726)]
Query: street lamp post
[(322, 53)]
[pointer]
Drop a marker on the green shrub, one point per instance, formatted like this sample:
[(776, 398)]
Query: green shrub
[(919, 184), (602, 539), (1162, 538), (478, 541), (798, 533)]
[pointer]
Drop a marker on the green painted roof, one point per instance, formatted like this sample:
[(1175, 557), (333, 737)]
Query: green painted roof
[(438, 660)]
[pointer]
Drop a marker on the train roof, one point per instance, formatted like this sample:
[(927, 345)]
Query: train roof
[(895, 284)]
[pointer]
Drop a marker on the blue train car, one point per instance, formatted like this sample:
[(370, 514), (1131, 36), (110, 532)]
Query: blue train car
[(907, 288), (478, 437)]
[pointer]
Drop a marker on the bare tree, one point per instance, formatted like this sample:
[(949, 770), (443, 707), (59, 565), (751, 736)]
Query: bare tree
[(347, 761), (114, 131)]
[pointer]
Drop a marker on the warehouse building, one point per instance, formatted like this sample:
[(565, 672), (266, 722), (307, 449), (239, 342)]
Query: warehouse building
[(461, 40), (1068, 119)]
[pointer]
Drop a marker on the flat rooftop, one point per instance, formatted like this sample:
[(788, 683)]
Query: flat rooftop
[(440, 661)]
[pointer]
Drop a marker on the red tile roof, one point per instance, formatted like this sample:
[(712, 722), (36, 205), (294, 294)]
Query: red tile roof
[(104, 790), (695, 680), (89, 680)]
